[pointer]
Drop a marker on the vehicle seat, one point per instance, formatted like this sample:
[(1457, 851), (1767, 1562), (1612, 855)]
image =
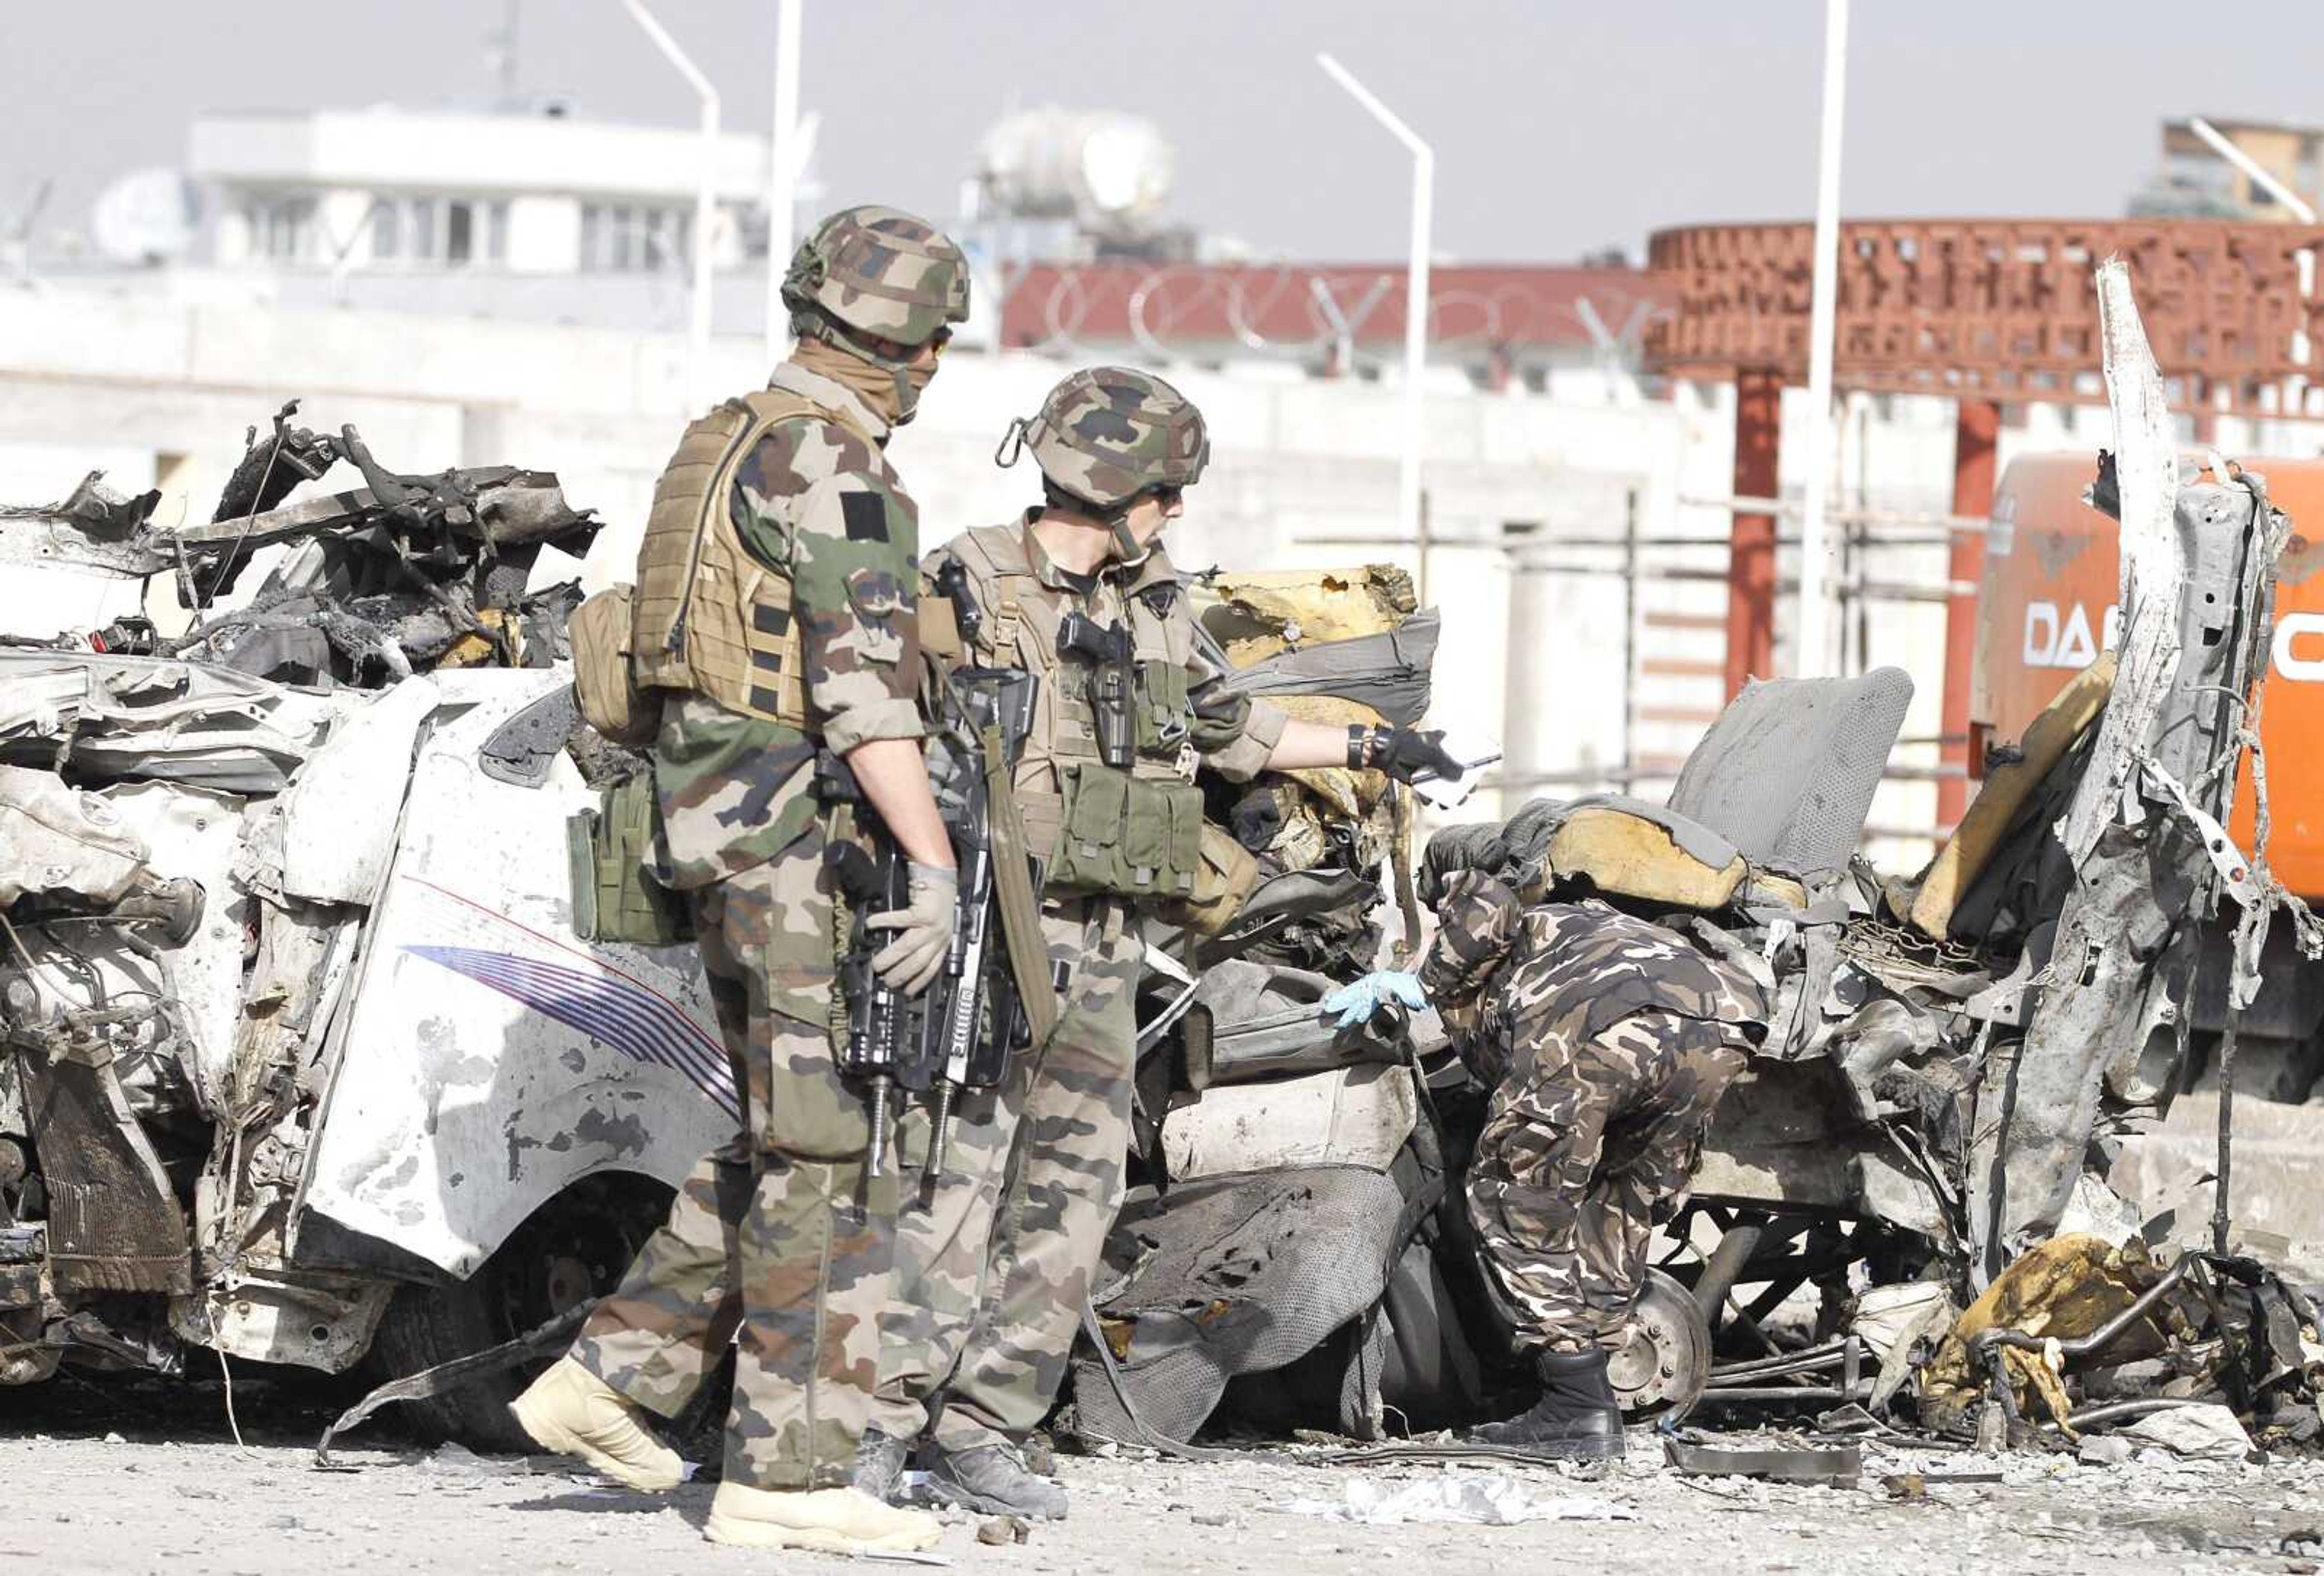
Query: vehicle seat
[(1774, 794), (1788, 771)]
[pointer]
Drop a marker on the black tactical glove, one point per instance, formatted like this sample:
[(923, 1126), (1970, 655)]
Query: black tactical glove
[(1406, 754)]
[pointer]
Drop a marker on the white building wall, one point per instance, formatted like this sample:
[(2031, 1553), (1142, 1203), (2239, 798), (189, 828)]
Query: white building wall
[(387, 148), (1300, 467), (544, 234)]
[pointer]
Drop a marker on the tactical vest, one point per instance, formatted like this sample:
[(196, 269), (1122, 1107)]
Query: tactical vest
[(1021, 616), (710, 616)]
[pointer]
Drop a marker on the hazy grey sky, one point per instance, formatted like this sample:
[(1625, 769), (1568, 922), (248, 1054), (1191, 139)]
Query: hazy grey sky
[(1559, 127)]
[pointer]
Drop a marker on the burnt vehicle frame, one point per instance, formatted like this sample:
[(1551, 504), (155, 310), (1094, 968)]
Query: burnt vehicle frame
[(1948, 1065)]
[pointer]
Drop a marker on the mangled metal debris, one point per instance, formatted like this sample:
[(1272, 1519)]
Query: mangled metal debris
[(1947, 1061), (297, 980), (400, 575), (301, 1059)]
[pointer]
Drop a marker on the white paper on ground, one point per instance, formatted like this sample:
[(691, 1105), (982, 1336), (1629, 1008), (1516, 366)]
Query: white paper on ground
[(1474, 752), (1492, 1500), (2207, 1433)]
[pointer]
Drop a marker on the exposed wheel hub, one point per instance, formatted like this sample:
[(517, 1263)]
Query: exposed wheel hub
[(1666, 1361)]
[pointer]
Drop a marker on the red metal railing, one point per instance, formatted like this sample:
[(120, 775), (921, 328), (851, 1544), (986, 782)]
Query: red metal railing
[(1998, 308)]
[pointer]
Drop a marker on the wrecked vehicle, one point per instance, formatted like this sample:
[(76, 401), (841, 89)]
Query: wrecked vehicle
[(299, 1000), (299, 1056), (304, 1060), (1918, 1152)]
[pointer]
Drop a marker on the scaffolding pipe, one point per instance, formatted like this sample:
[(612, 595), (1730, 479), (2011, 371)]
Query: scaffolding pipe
[(1963, 523)]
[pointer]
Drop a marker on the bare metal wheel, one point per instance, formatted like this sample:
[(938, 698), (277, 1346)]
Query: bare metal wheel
[(1667, 1361), (574, 1248)]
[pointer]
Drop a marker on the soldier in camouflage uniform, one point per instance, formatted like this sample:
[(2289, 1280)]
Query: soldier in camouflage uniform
[(780, 1242), (993, 1266), (1607, 1041)]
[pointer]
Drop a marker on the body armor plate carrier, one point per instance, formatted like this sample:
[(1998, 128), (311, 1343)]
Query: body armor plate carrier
[(710, 616)]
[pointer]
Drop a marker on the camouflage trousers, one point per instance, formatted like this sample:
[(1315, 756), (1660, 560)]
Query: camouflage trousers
[(993, 1258), (1585, 1148), (779, 1242)]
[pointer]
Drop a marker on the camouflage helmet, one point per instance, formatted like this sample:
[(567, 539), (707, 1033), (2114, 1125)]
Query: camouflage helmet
[(1108, 433), (881, 272)]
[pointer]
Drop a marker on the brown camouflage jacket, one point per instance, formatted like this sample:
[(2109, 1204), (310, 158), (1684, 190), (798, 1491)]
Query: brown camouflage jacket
[(817, 502), (1232, 733), (1505, 975)]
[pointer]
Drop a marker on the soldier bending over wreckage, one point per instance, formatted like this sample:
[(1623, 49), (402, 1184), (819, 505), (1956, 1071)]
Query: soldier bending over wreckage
[(1607, 1041)]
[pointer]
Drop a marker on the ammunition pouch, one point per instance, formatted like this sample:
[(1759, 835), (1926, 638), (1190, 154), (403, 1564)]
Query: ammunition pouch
[(614, 853), (604, 681), (1133, 836), (1161, 708), (1223, 880)]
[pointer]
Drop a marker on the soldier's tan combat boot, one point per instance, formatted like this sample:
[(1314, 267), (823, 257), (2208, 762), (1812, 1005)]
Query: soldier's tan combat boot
[(573, 1412), (841, 1521)]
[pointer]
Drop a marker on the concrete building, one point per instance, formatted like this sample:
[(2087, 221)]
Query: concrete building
[(542, 217), (157, 391), (2195, 182), (476, 289)]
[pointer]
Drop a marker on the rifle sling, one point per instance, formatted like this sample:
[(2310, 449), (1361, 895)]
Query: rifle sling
[(1012, 886)]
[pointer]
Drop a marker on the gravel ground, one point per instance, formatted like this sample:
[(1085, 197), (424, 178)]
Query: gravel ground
[(141, 1478)]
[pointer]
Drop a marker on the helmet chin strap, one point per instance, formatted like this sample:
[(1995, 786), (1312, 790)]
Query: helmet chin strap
[(1128, 550)]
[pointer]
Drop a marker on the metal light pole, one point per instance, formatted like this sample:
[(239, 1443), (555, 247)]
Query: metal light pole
[(2260, 174), (1415, 288), (783, 174), (706, 197), (1813, 656)]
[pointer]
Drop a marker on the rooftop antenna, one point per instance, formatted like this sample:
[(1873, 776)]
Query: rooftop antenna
[(19, 239), (500, 54)]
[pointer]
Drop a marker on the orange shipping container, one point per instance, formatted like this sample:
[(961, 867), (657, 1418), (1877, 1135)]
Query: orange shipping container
[(2046, 608)]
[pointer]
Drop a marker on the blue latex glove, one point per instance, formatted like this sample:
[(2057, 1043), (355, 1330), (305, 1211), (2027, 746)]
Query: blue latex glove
[(1356, 1003)]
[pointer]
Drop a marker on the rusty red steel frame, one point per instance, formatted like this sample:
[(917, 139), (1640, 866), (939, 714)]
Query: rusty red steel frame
[(2002, 308), (1986, 311)]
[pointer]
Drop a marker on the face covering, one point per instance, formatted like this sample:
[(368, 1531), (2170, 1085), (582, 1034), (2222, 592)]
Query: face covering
[(889, 395)]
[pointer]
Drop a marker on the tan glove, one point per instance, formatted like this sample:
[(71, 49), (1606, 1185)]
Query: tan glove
[(923, 930)]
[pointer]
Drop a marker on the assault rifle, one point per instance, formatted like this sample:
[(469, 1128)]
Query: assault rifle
[(975, 1013), (959, 1034), (884, 1040)]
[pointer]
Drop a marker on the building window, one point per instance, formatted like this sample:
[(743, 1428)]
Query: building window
[(281, 228), (423, 222), (386, 229), (456, 232), (2198, 171), (634, 237)]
